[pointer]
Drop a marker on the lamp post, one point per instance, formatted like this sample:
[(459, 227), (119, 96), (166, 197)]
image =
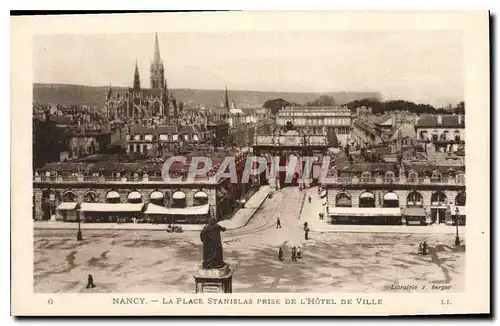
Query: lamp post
[(457, 237), (79, 236)]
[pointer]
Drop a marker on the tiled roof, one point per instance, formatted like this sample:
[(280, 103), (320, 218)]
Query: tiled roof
[(448, 121)]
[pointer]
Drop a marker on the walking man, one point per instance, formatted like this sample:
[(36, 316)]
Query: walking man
[(294, 254), (278, 223), (309, 199), (90, 282), (306, 233), (280, 254), (424, 248), (299, 253)]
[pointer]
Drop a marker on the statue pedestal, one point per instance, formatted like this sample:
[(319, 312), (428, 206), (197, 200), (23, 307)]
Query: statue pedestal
[(215, 280)]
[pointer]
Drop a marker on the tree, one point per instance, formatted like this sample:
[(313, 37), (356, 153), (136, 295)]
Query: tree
[(275, 105), (323, 100)]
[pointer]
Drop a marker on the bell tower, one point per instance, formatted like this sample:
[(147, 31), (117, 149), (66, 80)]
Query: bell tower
[(157, 71)]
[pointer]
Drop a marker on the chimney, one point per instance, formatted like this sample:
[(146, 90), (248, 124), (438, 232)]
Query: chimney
[(439, 120)]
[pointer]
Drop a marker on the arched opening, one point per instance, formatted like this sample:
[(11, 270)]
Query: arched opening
[(460, 199), (113, 197), (343, 199), (134, 197), (200, 198), (438, 198), (69, 197), (157, 198), (178, 199), (391, 199), (415, 199), (367, 199), (91, 197)]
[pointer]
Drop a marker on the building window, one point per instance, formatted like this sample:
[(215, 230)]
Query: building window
[(144, 148), (134, 197), (412, 177), (367, 199), (178, 199), (200, 198), (414, 199), (69, 196), (366, 177), (460, 178), (343, 199), (391, 199), (436, 176), (460, 199), (438, 198), (113, 197)]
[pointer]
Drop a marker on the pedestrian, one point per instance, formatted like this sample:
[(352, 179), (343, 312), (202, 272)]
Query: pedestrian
[(278, 223), (90, 282), (305, 225), (299, 253), (294, 254), (306, 235), (280, 254), (309, 199), (424, 248), (420, 248)]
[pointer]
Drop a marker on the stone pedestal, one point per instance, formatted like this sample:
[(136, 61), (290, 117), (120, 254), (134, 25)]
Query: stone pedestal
[(216, 280)]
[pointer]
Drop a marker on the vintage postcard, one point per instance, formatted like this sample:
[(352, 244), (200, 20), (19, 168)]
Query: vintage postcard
[(251, 163)]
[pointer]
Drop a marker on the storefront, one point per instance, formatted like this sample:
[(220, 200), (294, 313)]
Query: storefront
[(187, 215), (67, 212), (115, 213), (365, 215), (414, 216)]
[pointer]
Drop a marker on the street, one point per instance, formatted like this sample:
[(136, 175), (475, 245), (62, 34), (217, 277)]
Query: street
[(156, 261)]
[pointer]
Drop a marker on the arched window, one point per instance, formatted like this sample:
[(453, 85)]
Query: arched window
[(412, 176), (436, 176), (179, 199), (460, 178), (343, 199), (414, 199), (366, 177), (367, 199), (460, 199), (134, 197), (389, 176), (69, 196), (200, 198), (438, 198), (157, 198), (391, 199), (91, 197), (113, 197)]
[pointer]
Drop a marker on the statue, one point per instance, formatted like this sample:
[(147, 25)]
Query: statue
[(212, 245)]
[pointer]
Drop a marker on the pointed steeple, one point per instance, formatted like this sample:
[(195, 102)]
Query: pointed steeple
[(157, 58), (137, 79), (157, 72), (226, 99)]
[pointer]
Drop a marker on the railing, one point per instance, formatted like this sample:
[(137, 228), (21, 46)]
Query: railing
[(348, 180), (123, 179)]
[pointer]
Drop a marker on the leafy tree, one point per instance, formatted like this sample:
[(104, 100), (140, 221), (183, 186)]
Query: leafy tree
[(323, 100), (275, 105)]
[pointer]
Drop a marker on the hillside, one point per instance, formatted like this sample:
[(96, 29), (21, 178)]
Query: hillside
[(95, 96)]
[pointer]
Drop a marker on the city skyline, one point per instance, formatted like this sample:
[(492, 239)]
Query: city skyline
[(423, 67)]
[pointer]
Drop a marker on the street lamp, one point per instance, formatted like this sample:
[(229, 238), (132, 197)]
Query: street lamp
[(457, 237), (79, 236)]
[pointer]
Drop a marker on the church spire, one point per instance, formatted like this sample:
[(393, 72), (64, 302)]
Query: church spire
[(157, 58), (226, 99), (137, 79), (157, 72)]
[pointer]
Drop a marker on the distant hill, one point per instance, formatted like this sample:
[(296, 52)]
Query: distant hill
[(95, 96)]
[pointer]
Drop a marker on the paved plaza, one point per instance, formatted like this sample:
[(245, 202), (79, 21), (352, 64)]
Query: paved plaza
[(156, 261)]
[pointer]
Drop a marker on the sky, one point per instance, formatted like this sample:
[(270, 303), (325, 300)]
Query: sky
[(419, 66)]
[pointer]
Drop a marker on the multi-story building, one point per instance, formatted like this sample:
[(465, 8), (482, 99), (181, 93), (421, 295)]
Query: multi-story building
[(318, 120), (426, 189), (107, 187), (446, 132)]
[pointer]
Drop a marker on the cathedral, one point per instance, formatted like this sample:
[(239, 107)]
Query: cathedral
[(139, 103)]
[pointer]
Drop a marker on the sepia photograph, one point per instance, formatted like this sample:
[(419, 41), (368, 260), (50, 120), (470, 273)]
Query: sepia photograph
[(313, 161)]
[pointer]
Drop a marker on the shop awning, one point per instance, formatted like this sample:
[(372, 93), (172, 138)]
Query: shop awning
[(67, 206), (134, 195), (364, 211), (112, 195), (195, 210), (200, 194), (156, 195), (414, 211), (179, 195), (111, 208)]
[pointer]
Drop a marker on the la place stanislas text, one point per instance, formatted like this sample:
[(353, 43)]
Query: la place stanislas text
[(247, 301)]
